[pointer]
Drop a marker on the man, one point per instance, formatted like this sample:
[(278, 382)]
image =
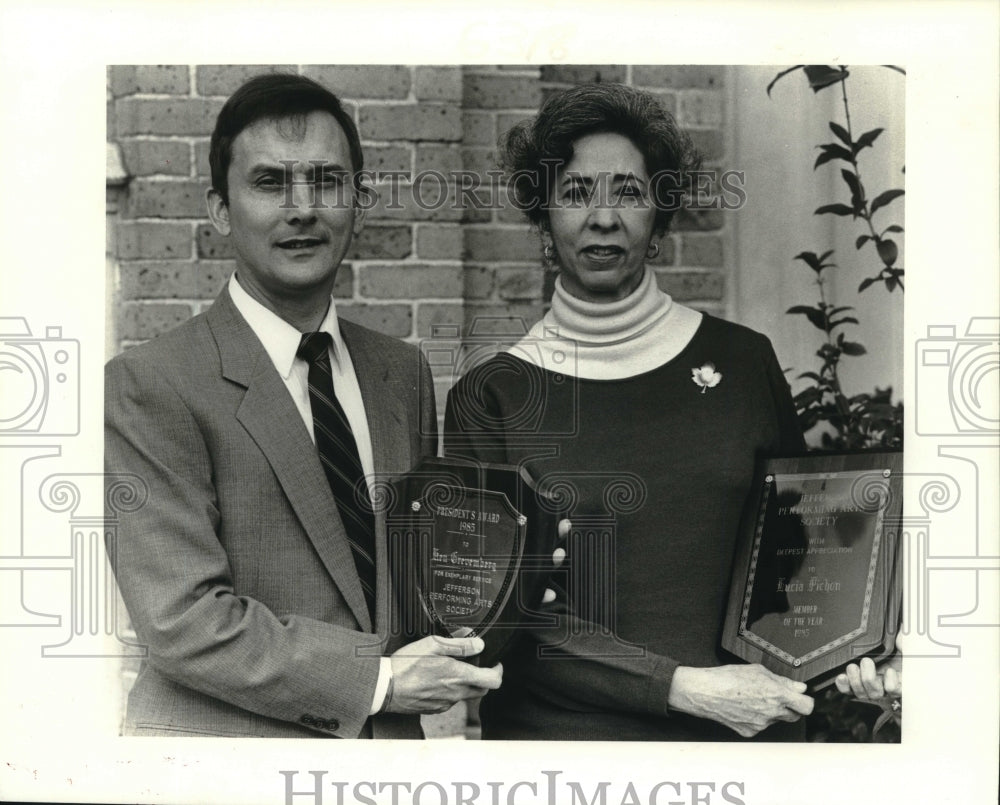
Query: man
[(256, 572)]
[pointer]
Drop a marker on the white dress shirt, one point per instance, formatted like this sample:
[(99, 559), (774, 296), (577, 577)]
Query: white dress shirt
[(281, 342)]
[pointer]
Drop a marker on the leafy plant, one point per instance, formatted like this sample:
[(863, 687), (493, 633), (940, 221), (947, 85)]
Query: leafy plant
[(862, 420), (847, 149), (837, 718)]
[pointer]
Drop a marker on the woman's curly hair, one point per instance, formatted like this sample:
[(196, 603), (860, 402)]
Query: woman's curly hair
[(532, 150)]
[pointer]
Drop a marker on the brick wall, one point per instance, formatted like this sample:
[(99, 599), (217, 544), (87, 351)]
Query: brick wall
[(412, 268)]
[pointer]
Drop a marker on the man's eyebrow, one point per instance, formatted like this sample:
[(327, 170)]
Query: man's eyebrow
[(334, 167), (279, 167)]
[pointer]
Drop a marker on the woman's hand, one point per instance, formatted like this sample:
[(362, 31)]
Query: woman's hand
[(867, 683), (746, 698)]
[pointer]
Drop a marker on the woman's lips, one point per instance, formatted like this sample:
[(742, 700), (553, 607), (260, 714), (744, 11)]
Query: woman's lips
[(603, 254)]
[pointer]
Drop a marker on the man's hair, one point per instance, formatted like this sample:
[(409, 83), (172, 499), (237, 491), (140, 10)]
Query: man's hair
[(532, 149), (275, 96)]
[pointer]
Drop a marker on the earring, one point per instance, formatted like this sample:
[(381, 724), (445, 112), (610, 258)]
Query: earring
[(549, 252), (652, 251)]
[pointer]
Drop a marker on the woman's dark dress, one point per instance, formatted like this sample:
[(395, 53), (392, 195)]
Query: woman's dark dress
[(660, 471)]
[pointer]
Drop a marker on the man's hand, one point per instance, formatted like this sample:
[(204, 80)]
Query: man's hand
[(427, 678), (746, 698), (867, 683)]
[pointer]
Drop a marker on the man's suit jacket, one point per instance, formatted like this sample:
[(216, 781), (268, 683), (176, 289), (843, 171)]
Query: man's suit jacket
[(236, 572)]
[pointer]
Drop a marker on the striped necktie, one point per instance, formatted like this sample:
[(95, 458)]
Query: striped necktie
[(338, 453)]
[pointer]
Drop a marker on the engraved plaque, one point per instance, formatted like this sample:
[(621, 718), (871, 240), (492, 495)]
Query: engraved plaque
[(470, 551), (814, 581)]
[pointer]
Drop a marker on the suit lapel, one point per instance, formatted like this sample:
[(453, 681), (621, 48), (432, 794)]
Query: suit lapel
[(272, 420), (385, 412), (389, 430)]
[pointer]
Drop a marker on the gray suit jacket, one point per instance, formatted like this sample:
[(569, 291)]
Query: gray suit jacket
[(237, 573)]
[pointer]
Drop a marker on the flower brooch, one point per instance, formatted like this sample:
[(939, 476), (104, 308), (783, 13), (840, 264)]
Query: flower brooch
[(706, 376)]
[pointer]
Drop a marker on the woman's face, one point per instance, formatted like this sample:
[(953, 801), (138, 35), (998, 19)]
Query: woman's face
[(601, 218)]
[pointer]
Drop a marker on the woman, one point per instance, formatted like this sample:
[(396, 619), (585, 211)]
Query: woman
[(636, 408)]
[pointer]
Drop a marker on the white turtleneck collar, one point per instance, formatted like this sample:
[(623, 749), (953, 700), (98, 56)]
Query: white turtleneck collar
[(609, 341)]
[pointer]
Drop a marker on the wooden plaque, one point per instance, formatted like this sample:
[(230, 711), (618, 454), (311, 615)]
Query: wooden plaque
[(815, 581)]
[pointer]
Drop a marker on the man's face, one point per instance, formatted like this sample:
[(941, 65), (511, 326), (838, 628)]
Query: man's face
[(291, 212)]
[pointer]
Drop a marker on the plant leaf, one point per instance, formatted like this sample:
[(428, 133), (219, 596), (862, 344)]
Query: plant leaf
[(885, 198), (806, 396), (826, 156), (810, 259), (832, 151), (861, 241), (853, 348), (857, 191), (841, 132), (893, 228), (887, 250), (886, 717), (865, 283), (835, 209), (822, 76), (845, 320), (782, 74), (866, 139), (815, 262), (814, 314)]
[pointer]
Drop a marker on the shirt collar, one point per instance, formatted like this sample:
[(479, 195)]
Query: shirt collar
[(281, 339)]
